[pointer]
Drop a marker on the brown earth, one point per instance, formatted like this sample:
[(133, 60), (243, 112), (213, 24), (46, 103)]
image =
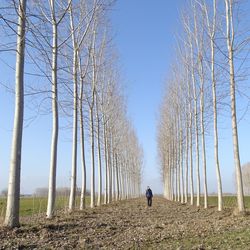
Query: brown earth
[(133, 225)]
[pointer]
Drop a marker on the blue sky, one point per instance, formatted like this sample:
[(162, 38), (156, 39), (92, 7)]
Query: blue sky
[(144, 34), (145, 37)]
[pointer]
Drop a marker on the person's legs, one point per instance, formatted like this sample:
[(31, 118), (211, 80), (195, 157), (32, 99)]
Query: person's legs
[(150, 201)]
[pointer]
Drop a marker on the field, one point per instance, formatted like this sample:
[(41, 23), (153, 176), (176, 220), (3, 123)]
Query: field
[(228, 201), (132, 225), (37, 205)]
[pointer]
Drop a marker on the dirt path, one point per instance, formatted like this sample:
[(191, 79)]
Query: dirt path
[(132, 225)]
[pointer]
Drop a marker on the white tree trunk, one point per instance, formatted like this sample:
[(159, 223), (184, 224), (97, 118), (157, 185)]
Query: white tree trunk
[(181, 168), (99, 199), (191, 159), (120, 179), (216, 141), (55, 128), (109, 180), (195, 124), (12, 210), (72, 196), (204, 162), (106, 163), (190, 132), (196, 146), (178, 167), (92, 143), (83, 189), (173, 183), (203, 143), (176, 173), (82, 141), (186, 172), (200, 47), (110, 172), (117, 178), (230, 46)]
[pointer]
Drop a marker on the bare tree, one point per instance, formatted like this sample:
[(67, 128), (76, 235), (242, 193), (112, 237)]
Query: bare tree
[(75, 111), (229, 11), (199, 40), (197, 153), (12, 210), (54, 21), (211, 33), (81, 19), (83, 72)]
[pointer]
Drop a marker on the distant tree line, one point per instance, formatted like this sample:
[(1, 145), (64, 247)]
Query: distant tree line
[(60, 191)]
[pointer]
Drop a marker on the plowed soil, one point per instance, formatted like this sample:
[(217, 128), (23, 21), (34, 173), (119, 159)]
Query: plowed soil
[(132, 225)]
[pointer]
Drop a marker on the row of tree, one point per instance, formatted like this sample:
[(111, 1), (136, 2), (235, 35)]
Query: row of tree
[(211, 54), (66, 49)]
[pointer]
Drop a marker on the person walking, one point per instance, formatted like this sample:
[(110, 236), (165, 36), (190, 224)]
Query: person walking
[(149, 195)]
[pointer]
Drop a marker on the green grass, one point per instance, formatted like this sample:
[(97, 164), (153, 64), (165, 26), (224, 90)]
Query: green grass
[(35, 205), (228, 201), (232, 239)]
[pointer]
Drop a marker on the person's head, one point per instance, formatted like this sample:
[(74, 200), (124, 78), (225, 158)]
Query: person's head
[(148, 187)]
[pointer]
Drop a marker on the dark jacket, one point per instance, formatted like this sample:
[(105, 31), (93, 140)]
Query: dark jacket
[(149, 193)]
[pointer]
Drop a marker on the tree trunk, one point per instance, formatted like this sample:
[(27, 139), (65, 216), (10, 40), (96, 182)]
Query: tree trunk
[(121, 177), (82, 141), (190, 126), (197, 148), (110, 171), (109, 181), (55, 128), (83, 189), (191, 160), (113, 173), (186, 172), (203, 147), (230, 46), (99, 200), (195, 127), (181, 168), (200, 48), (12, 210), (92, 139), (72, 196), (117, 178), (203, 143), (216, 141), (106, 163), (178, 167)]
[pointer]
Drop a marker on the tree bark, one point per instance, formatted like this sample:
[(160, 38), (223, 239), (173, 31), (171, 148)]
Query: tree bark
[(55, 128), (186, 172), (92, 142), (12, 210), (230, 46), (72, 196), (99, 199), (106, 163), (215, 127), (82, 134), (117, 178)]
